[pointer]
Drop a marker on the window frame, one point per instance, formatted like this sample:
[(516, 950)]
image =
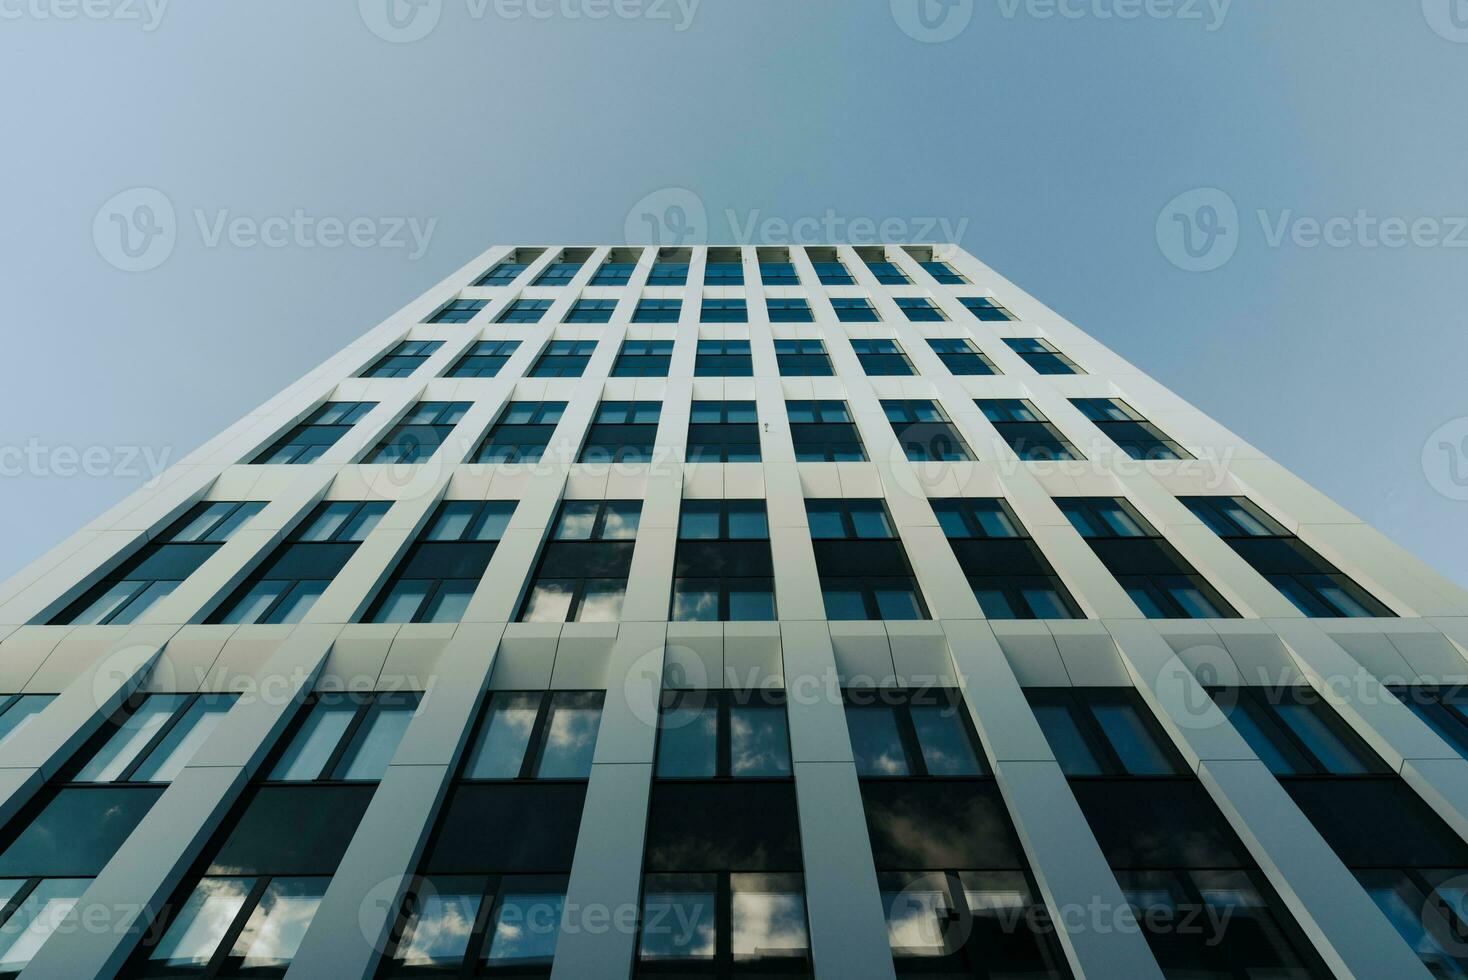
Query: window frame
[(927, 311), (700, 447), (493, 891), (657, 310), (70, 774), (877, 361), (803, 357), (539, 738), (1283, 739), (723, 310), (562, 359), (927, 431), (643, 357), (1080, 703), (590, 311), (1162, 446), (788, 309), (345, 416), (723, 701), (854, 309), (799, 431), (353, 529), (409, 354), (723, 962), (713, 358), (597, 446), (458, 310), (960, 363), (524, 311), (1047, 360), (987, 309), (500, 427), (900, 701), (399, 438), (498, 352), (367, 705), (1056, 447)]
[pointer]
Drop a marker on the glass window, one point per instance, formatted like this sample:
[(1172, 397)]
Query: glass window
[(1132, 739), (591, 311), (169, 756), (1294, 733), (918, 913), (525, 735), (1070, 746), (132, 738), (657, 311), (723, 734), (854, 310), (724, 311), (911, 733), (876, 740), (276, 927), (759, 742), (437, 934), (767, 916), (701, 519), (499, 752), (601, 600), (457, 311), (570, 736), (678, 917), (377, 739), (688, 730), (316, 742), (1429, 918), (1102, 731), (789, 311), (986, 308), (196, 932), (947, 747), (920, 309), (526, 925), (1212, 924), (39, 915)]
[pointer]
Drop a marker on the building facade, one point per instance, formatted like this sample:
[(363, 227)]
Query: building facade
[(837, 612)]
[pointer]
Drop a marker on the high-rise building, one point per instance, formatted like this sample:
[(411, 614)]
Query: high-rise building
[(778, 612)]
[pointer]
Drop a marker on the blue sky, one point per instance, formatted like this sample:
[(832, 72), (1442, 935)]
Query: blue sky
[(1050, 135)]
